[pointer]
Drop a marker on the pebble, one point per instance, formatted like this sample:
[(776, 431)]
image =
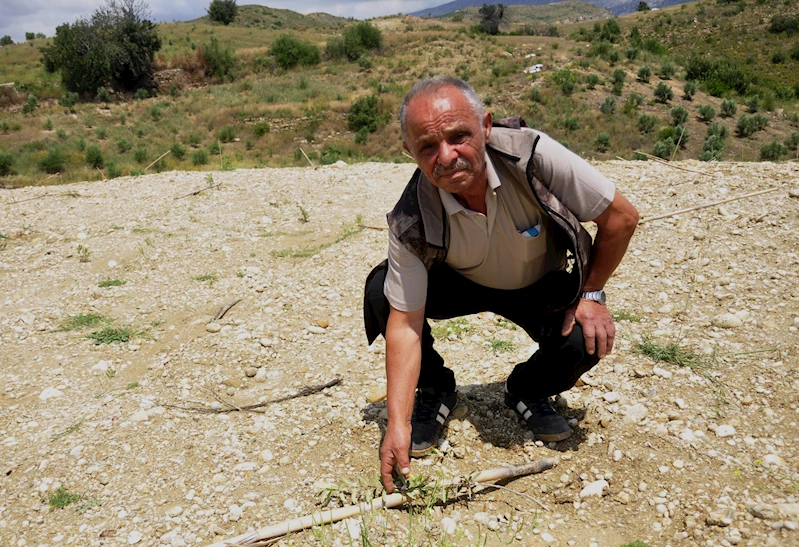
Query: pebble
[(376, 394), (448, 525), (596, 488), (284, 460), (49, 393), (232, 382), (725, 430), (213, 327), (679, 464), (460, 411), (323, 323), (267, 456), (793, 192), (727, 321), (611, 397), (290, 504), (265, 342), (134, 537), (174, 511), (250, 372), (661, 372), (772, 460), (314, 329), (617, 455), (234, 513), (635, 414), (547, 537), (139, 416)]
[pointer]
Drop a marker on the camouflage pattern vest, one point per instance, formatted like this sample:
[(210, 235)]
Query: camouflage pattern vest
[(420, 222)]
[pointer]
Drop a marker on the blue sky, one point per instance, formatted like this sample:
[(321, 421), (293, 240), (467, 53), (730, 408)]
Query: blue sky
[(20, 16)]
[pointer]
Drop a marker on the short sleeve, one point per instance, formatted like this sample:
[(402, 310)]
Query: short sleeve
[(406, 279), (576, 183)]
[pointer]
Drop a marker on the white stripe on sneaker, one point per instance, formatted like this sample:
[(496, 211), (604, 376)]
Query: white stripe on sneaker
[(521, 408), (440, 419), (527, 415), (443, 410)]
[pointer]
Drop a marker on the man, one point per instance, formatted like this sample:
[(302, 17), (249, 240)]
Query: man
[(485, 224)]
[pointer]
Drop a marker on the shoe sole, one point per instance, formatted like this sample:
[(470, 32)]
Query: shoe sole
[(553, 437), (421, 452)]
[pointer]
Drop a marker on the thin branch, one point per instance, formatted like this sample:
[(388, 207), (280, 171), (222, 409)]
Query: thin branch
[(307, 158), (195, 192), (223, 310), (706, 205), (373, 227), (158, 159), (664, 162), (30, 199), (677, 146)]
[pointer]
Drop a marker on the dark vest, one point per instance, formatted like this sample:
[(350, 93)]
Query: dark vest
[(421, 224)]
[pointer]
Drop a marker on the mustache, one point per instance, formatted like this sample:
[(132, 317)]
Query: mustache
[(460, 163)]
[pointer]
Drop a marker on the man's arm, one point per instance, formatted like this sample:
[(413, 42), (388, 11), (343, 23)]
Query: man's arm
[(403, 362), (615, 228)]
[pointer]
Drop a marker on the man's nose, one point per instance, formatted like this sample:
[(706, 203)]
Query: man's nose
[(447, 154)]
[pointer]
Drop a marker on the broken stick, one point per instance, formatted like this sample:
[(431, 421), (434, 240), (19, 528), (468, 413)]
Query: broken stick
[(706, 205), (223, 310), (157, 159), (385, 502), (195, 192)]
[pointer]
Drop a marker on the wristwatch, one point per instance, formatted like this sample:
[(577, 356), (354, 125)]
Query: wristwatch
[(596, 296)]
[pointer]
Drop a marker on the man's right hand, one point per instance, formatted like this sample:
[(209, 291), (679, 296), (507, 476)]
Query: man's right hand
[(394, 454)]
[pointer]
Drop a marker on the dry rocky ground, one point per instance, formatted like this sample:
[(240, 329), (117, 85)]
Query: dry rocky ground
[(698, 455)]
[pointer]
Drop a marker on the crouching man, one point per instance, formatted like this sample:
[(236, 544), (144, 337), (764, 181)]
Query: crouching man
[(485, 224)]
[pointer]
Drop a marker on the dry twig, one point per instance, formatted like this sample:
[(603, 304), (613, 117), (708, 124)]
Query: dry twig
[(664, 162), (195, 192), (706, 205), (157, 159), (307, 158), (223, 310)]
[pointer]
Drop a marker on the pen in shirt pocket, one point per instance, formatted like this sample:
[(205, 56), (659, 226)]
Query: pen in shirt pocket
[(531, 232)]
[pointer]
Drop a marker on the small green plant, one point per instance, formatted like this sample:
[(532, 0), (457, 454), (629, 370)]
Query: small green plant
[(706, 112), (663, 93), (608, 106), (679, 115), (498, 346), (636, 543), (634, 100), (6, 163), (101, 133), (206, 277), (141, 94), (304, 215), (61, 134), (772, 151), (124, 145), (84, 254), (753, 104), (111, 335), (103, 95), (367, 112), (30, 105), (667, 70), (83, 321), (178, 151), (132, 385), (194, 140), (566, 80), (61, 498), (451, 328), (728, 108), (362, 136), (646, 123), (590, 82), (94, 157), (602, 142), (717, 129), (674, 353), (645, 73), (689, 90), (792, 141), (156, 112), (111, 283), (749, 125), (199, 157), (69, 99), (227, 134), (140, 155), (625, 315), (47, 125), (664, 148), (571, 124), (260, 129), (54, 162), (712, 149)]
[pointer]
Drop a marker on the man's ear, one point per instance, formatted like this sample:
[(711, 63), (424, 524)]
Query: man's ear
[(408, 150), (487, 120)]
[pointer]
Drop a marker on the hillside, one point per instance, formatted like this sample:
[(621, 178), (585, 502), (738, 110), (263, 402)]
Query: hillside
[(569, 11), (616, 7), (265, 18), (105, 350)]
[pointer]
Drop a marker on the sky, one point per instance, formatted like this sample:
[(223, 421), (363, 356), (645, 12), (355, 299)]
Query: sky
[(20, 16)]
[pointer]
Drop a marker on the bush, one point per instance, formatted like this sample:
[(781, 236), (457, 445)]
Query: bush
[(663, 93), (664, 148), (678, 134), (784, 23), (619, 75), (335, 48), (366, 113), (646, 123), (117, 46), (794, 52), (360, 38), (728, 108), (634, 100), (362, 135), (566, 79), (718, 75), (289, 51), (123, 145), (226, 134), (222, 11), (6, 40), (30, 105), (632, 53), (260, 129), (178, 151), (140, 155), (706, 112), (752, 103), (779, 57), (54, 162), (667, 70), (48, 125), (6, 163), (141, 94), (103, 95), (712, 149), (749, 125), (112, 171), (717, 129), (772, 152), (68, 99), (94, 156), (194, 140), (571, 124), (102, 133), (591, 80), (689, 90), (217, 59), (608, 106), (199, 157), (645, 73), (679, 115), (156, 112), (792, 142), (602, 142)]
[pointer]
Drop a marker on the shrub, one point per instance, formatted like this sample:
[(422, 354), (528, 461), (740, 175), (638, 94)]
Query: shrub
[(706, 112), (749, 125), (54, 162), (794, 52), (260, 129), (752, 103), (194, 140), (156, 112), (94, 156), (360, 38), (199, 157), (335, 48), (366, 112), (667, 70), (679, 115), (141, 94), (364, 62), (646, 123), (102, 133), (217, 59), (30, 105), (6, 40), (634, 100), (728, 108), (632, 53), (47, 125), (103, 95), (571, 124), (772, 152), (591, 80), (717, 129), (362, 135), (652, 45), (68, 99), (226, 134), (222, 11), (602, 142), (178, 151), (645, 73), (689, 90), (619, 75), (140, 155), (289, 51), (608, 106), (613, 57), (117, 45), (792, 142), (779, 57), (566, 79), (123, 145), (6, 163), (678, 134), (784, 23), (718, 75), (29, 36), (712, 149), (112, 171), (664, 148), (61, 134), (663, 93)]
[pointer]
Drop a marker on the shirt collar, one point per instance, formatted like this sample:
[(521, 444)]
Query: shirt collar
[(451, 205)]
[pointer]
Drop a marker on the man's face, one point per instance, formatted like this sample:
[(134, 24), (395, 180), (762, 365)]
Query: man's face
[(447, 139)]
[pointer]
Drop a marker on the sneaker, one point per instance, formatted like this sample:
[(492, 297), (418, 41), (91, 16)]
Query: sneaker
[(430, 409), (541, 417)]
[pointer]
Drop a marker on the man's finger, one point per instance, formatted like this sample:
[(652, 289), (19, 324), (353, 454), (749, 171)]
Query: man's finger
[(601, 339), (387, 471), (404, 465), (568, 323), (590, 341), (611, 337)]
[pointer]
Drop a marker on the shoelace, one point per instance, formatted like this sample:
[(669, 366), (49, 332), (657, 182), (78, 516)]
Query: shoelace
[(541, 407)]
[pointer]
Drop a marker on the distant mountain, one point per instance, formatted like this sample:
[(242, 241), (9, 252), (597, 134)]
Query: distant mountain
[(616, 7)]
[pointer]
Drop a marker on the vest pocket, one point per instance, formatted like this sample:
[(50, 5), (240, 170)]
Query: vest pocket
[(531, 244)]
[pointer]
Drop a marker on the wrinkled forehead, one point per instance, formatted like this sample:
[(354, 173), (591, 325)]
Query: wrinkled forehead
[(443, 100)]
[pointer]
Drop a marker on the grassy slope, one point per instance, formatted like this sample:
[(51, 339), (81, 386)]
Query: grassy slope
[(264, 17), (559, 12), (307, 107)]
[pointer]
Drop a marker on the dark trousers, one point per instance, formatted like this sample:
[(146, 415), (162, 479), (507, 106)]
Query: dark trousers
[(554, 368)]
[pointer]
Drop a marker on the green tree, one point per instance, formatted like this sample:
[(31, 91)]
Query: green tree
[(289, 51), (366, 113), (116, 46), (6, 40), (222, 11), (29, 36), (360, 38), (490, 17), (642, 6), (663, 93)]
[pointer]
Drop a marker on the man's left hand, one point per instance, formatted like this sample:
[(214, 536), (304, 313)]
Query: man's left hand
[(598, 328)]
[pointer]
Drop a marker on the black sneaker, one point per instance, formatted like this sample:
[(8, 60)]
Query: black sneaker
[(430, 410), (541, 418)]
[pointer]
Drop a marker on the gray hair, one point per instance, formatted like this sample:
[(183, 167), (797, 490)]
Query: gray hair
[(430, 85)]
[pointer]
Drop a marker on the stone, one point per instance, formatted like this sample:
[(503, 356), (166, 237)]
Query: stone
[(772, 460), (314, 329), (234, 513), (611, 397), (173, 511), (635, 413), (323, 323), (139, 416), (284, 460), (265, 342), (720, 518), (134, 537), (727, 321), (244, 467), (460, 411), (596, 488), (547, 537), (232, 382), (448, 525), (793, 192), (250, 372), (49, 393), (266, 455), (213, 327), (376, 394), (662, 373), (725, 430)]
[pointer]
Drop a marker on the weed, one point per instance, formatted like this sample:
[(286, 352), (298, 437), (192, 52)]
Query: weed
[(111, 283), (199, 157), (71, 429), (84, 254), (624, 315), (227, 134), (636, 543), (110, 335), (178, 151), (305, 216), (61, 498), (498, 346), (206, 277), (110, 372), (674, 353), (602, 142), (451, 328), (83, 321)]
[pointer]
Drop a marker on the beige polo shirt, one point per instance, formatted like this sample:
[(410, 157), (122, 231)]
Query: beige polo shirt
[(491, 249)]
